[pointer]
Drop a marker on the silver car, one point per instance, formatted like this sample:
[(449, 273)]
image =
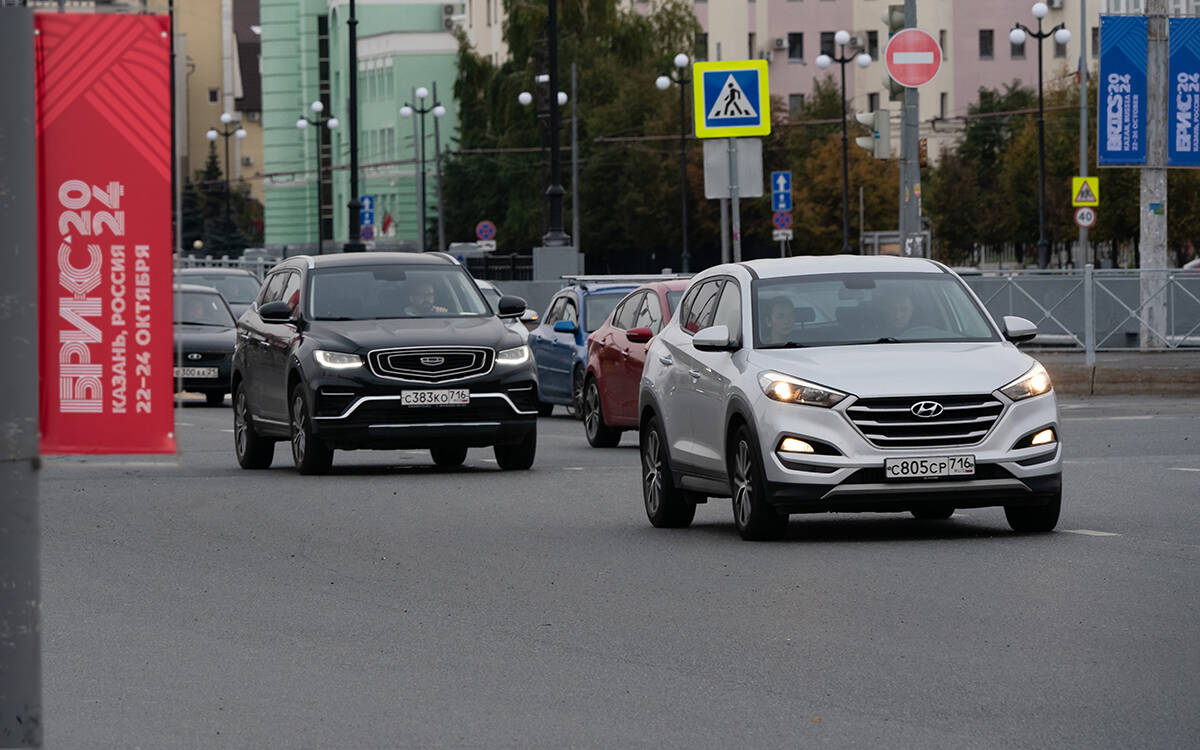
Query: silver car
[(845, 383)]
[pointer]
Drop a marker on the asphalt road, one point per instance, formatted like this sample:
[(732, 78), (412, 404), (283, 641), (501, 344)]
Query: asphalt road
[(189, 604)]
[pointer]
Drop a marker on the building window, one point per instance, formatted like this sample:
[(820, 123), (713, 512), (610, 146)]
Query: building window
[(827, 43), (214, 96), (701, 52), (985, 44), (943, 104), (1095, 41), (795, 105), (750, 38), (872, 102), (795, 46), (1060, 50), (1016, 51), (942, 43), (873, 44)]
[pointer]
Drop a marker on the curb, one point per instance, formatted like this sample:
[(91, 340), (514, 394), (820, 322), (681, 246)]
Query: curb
[(1157, 374)]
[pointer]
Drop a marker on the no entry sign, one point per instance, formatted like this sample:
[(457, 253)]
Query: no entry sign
[(913, 57)]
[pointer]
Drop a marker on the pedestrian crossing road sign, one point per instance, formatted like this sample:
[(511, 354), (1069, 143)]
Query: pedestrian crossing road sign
[(1085, 191), (731, 98)]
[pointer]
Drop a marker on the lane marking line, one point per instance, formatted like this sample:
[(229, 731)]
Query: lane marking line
[(224, 430), (1089, 532), (1183, 468), (572, 468)]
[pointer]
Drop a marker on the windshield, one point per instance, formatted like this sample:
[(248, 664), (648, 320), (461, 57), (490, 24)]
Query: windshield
[(203, 309), (598, 305), (865, 308), (237, 289), (393, 291)]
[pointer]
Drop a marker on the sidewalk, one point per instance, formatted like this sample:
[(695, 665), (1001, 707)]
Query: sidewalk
[(1171, 373)]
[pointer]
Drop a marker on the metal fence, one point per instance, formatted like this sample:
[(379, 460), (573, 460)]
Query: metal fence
[(257, 266), (1098, 309)]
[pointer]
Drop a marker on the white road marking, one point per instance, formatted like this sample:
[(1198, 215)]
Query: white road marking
[(116, 464), (1183, 468), (1089, 532), (912, 58), (572, 468), (186, 424), (224, 430)]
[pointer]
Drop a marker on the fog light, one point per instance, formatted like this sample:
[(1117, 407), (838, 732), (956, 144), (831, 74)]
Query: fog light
[(1043, 437), (795, 445)]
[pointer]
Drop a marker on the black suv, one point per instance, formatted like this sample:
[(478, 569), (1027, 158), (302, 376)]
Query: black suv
[(382, 351)]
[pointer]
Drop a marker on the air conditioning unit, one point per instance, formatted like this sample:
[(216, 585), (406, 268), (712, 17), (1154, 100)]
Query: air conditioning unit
[(765, 54), (247, 161), (780, 43), (453, 15), (1055, 4)]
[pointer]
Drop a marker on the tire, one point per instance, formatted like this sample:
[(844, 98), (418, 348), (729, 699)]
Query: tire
[(214, 399), (575, 408), (667, 506), (1036, 519), (932, 512), (753, 515), (518, 456), (253, 450), (599, 434), (309, 453), (449, 456), (545, 409)]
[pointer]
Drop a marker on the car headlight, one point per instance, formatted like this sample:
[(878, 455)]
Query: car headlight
[(791, 390), (337, 360), (518, 355), (1035, 382)]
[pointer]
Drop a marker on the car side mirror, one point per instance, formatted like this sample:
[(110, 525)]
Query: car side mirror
[(1018, 329), (276, 312), (639, 335), (565, 326), (510, 307), (714, 339)]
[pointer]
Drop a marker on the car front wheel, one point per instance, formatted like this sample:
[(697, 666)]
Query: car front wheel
[(667, 506), (517, 456), (253, 450), (1034, 519), (449, 456), (753, 515), (599, 434), (309, 452)]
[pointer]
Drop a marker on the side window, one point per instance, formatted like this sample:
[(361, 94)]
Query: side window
[(569, 312), (291, 291), (554, 314), (272, 290), (703, 304), (729, 310), (625, 316), (650, 314)]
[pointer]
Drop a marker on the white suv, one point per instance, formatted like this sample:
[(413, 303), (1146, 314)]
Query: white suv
[(844, 383)]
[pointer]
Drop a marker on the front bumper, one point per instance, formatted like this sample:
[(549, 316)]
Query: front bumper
[(855, 481)]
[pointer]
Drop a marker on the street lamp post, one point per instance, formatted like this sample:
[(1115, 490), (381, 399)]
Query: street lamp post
[(228, 128), (663, 83), (842, 38), (330, 123), (1062, 36), (354, 238), (419, 95), (561, 239)]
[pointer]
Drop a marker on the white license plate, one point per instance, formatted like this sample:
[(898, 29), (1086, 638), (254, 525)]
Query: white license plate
[(441, 397), (929, 466), (195, 372)]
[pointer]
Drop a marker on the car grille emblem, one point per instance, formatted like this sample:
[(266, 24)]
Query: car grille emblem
[(194, 355), (927, 409), (432, 361)]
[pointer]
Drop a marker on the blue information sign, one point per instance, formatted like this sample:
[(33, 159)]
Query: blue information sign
[(1183, 131), (1122, 116), (781, 191)]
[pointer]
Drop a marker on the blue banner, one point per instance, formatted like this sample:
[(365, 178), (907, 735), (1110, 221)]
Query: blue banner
[(1122, 116), (1183, 89)]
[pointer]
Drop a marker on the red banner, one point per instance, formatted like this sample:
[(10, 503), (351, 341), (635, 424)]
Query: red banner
[(104, 226)]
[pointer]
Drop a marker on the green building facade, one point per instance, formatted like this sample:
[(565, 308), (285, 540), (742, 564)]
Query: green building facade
[(402, 45)]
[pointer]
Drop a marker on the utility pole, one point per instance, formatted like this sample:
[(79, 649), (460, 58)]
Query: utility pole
[(437, 173), (1085, 256), (575, 165), (1153, 238), (910, 165), (20, 584), (354, 238)]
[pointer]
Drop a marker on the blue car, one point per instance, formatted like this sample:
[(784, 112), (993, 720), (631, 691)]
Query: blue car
[(559, 343)]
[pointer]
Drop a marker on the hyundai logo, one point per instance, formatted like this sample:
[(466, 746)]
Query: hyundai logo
[(926, 409), (432, 361), (194, 355)]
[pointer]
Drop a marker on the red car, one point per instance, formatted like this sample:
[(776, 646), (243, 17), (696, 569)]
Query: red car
[(616, 352)]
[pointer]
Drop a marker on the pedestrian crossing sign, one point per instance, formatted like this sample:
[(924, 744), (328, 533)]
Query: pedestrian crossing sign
[(731, 98), (1085, 191)]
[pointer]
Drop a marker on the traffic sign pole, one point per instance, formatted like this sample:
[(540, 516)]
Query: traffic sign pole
[(910, 165)]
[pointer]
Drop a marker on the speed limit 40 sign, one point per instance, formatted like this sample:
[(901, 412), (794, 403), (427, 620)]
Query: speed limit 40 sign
[(1085, 217)]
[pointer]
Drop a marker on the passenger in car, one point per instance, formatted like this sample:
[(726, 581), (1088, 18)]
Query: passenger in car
[(778, 322)]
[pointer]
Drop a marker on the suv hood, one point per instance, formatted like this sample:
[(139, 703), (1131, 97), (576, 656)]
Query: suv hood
[(901, 369), (355, 335)]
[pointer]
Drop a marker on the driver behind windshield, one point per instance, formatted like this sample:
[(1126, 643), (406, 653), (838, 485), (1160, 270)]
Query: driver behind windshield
[(421, 298), (895, 311), (778, 321), (203, 309)]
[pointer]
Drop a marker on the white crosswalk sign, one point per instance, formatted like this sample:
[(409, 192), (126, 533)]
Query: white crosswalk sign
[(731, 98)]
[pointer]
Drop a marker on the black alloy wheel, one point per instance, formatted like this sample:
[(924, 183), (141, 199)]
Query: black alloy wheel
[(1037, 519), (599, 434), (253, 451), (753, 515), (517, 456), (449, 456), (309, 453), (667, 506)]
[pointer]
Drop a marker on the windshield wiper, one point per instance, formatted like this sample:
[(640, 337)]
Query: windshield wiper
[(787, 345), (341, 318), (887, 340)]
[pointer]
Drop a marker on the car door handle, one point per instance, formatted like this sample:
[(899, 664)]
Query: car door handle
[(666, 359), (695, 374), (624, 352)]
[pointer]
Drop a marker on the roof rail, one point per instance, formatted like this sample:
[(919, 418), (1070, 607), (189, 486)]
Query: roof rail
[(584, 280)]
